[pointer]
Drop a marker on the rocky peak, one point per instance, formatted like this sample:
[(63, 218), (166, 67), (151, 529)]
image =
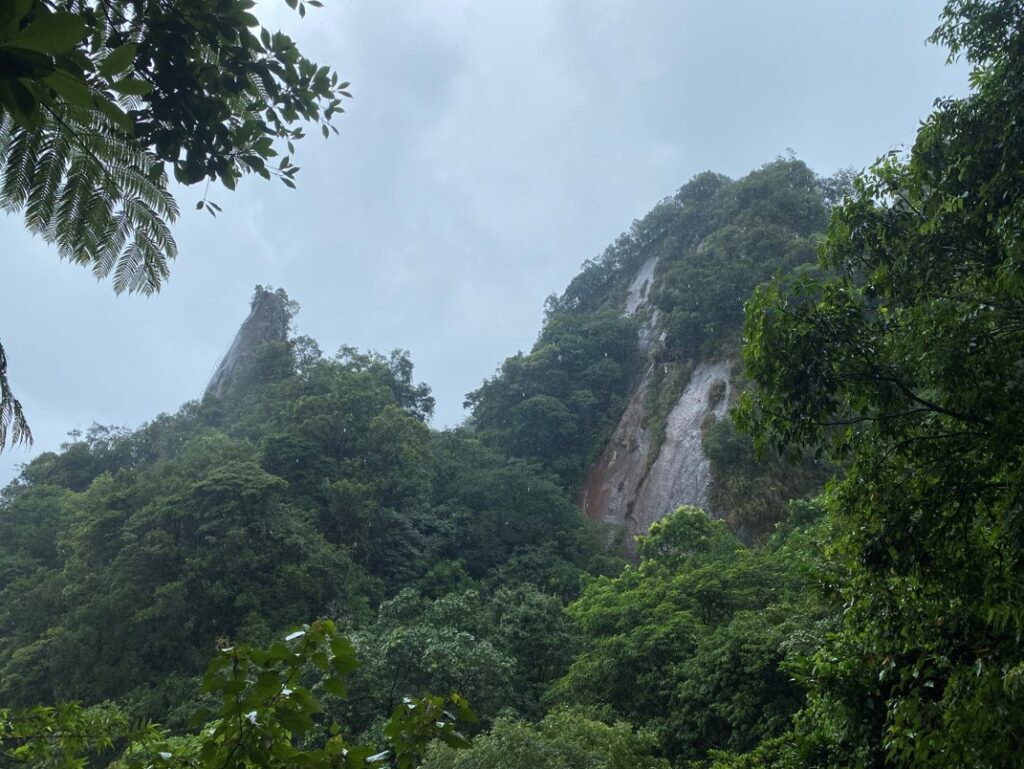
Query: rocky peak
[(269, 318)]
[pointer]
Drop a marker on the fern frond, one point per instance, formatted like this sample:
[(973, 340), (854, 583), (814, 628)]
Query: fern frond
[(12, 418), (94, 193)]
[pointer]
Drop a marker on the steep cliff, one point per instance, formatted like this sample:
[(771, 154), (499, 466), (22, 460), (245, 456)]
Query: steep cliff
[(625, 429), (268, 321), (636, 482), (643, 473)]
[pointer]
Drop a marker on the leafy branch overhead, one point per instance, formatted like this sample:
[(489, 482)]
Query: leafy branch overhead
[(100, 101)]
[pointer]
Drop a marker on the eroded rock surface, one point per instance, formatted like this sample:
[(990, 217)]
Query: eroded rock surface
[(681, 474), (635, 483), (638, 302), (267, 322), (638, 291), (631, 488), (614, 482)]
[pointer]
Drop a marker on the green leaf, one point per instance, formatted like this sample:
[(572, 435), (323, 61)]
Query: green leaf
[(131, 86), (295, 722), (344, 654), (52, 33), (13, 13), (23, 103), (268, 683), (334, 686), (118, 60), (71, 88), (454, 740), (320, 660), (200, 717), (116, 114)]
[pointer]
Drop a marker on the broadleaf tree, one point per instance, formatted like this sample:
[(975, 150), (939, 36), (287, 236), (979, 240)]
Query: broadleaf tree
[(902, 359), (267, 714)]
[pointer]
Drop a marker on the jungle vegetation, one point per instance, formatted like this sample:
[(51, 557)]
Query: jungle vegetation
[(373, 592)]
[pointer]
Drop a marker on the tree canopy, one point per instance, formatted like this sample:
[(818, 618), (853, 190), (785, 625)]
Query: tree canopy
[(312, 488), (901, 358)]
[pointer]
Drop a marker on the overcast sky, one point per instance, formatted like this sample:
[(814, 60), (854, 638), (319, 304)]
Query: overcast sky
[(491, 147)]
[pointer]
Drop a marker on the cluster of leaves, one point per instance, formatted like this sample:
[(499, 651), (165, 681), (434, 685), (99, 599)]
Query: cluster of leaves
[(729, 237), (99, 98), (691, 642), (559, 403), (714, 241), (267, 715), (754, 493), (13, 424), (563, 738), (901, 359), (62, 736), (499, 649)]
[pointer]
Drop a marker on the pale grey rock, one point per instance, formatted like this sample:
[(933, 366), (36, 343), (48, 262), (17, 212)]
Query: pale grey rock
[(632, 489), (681, 475), (639, 289), (268, 321), (630, 486)]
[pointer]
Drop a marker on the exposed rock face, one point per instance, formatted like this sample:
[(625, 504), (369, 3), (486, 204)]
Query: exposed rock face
[(637, 300), (636, 297), (632, 486), (613, 485), (681, 474), (267, 322)]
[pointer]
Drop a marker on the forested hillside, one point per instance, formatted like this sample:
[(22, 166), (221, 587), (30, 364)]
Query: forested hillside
[(622, 345), (303, 486), (372, 592), (313, 488)]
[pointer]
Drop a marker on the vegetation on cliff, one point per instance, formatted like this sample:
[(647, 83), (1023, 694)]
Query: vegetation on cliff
[(712, 243), (878, 625)]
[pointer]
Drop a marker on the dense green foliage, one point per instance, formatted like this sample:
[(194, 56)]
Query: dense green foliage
[(727, 238), (268, 714), (689, 642), (313, 489), (902, 358), (879, 625), (715, 240), (557, 404), (561, 740), (753, 493)]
